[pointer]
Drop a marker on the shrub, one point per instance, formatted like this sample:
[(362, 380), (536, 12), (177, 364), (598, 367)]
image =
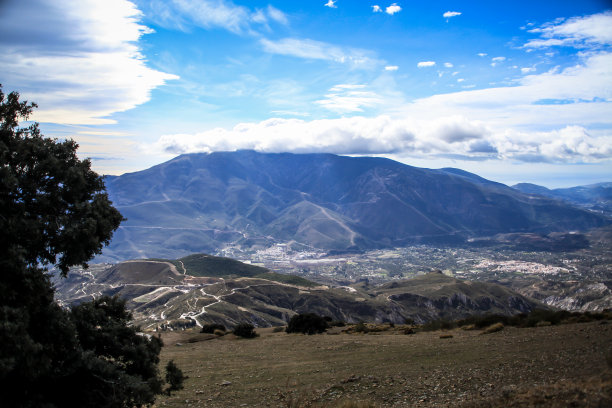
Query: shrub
[(174, 377), (245, 330), (493, 328), (219, 332), (210, 328), (308, 323), (361, 328), (446, 336)]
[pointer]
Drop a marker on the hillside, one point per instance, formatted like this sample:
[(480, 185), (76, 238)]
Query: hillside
[(550, 366), (207, 289), (595, 197), (205, 202)]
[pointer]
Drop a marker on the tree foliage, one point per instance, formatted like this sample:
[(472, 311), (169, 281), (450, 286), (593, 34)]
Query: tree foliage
[(55, 209), (174, 377), (307, 323), (245, 330), (55, 212)]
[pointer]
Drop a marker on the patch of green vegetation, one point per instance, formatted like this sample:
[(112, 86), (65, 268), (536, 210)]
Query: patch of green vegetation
[(216, 266), (283, 278)]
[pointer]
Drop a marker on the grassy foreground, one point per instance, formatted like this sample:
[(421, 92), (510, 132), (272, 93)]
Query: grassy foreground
[(552, 366)]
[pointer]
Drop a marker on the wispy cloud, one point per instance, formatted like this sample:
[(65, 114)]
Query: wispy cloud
[(331, 4), (392, 9), (580, 32), (317, 50), (426, 64), (80, 62), (347, 98), (451, 14), (376, 9), (448, 65), (496, 60), (482, 54), (526, 122), (391, 68), (183, 14), (277, 15)]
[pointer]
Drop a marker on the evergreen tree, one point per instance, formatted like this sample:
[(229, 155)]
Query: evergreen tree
[(54, 211)]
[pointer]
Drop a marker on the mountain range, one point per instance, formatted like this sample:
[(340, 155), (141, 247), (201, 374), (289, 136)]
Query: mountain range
[(595, 197), (205, 202)]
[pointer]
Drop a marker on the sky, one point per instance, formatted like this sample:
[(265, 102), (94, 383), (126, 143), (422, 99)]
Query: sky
[(513, 91)]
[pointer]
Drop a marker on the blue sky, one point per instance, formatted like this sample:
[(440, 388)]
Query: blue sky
[(516, 92)]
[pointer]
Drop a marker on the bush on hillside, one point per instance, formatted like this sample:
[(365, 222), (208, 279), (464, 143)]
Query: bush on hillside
[(307, 323), (210, 328), (174, 377), (245, 330)]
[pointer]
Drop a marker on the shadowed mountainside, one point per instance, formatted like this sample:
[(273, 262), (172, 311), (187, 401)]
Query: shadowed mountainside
[(595, 197), (202, 202)]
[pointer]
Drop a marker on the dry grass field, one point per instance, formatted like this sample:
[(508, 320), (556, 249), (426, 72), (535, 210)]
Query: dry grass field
[(551, 366)]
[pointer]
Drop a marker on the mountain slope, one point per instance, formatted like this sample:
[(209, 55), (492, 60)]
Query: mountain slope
[(201, 202), (204, 289), (595, 197)]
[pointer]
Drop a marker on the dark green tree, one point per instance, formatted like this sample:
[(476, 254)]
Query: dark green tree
[(307, 323), (174, 377), (245, 330), (54, 211)]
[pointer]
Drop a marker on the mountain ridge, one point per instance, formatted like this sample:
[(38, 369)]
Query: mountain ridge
[(204, 202), (221, 290)]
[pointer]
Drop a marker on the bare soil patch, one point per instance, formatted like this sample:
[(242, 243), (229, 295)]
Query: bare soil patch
[(551, 366)]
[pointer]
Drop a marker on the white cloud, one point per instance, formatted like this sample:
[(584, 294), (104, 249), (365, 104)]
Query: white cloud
[(497, 60), (310, 49), (392, 9), (482, 54), (182, 14), (376, 9), (426, 64), (451, 136), (448, 65), (391, 68), (80, 61), (559, 116), (576, 95), (527, 122), (277, 15), (347, 98), (587, 31), (526, 70), (450, 14), (331, 4)]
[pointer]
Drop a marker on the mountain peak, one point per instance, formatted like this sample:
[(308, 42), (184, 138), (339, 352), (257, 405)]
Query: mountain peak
[(203, 202)]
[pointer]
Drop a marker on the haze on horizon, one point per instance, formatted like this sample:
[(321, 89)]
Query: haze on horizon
[(514, 93)]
